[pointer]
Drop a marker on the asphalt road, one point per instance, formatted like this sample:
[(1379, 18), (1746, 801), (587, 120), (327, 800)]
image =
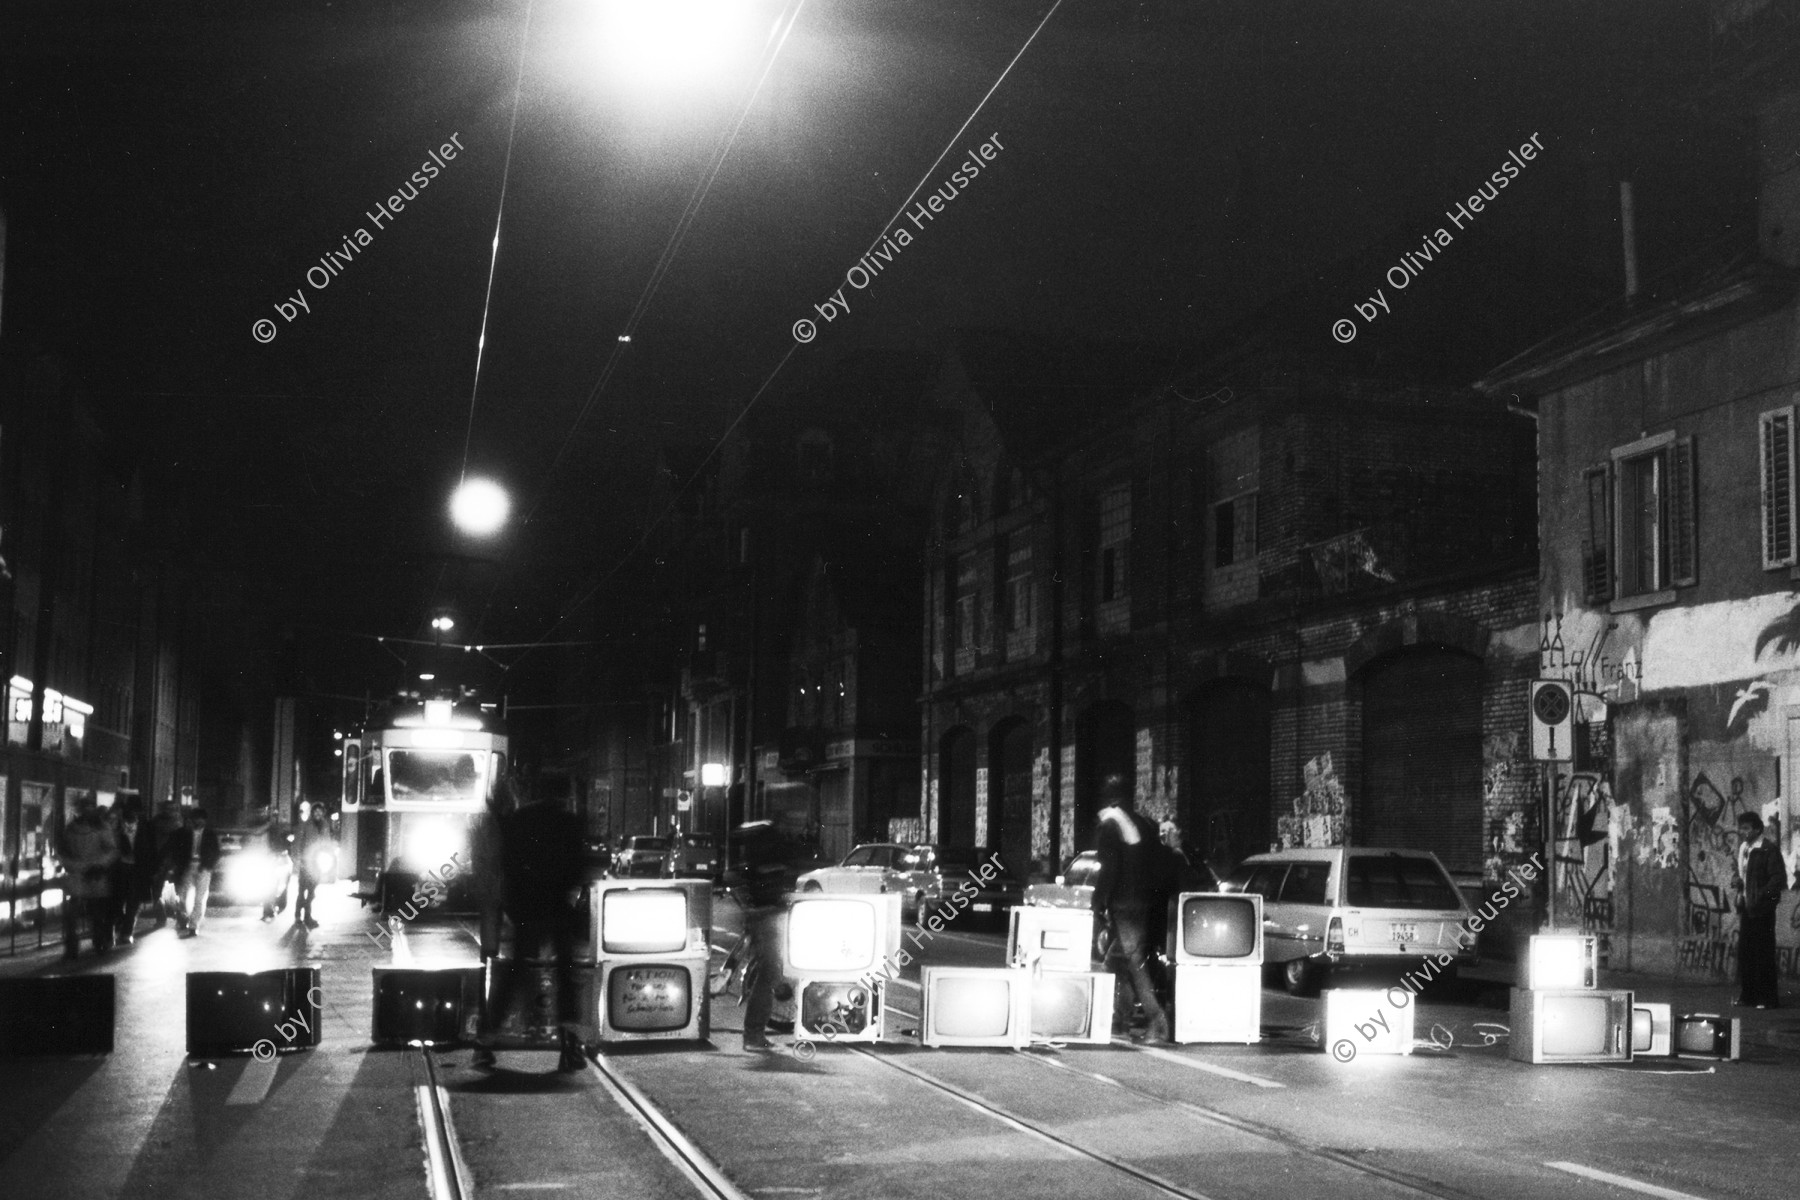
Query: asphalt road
[(1276, 1120)]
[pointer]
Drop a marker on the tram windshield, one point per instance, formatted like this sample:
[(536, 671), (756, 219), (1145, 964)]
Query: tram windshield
[(436, 776)]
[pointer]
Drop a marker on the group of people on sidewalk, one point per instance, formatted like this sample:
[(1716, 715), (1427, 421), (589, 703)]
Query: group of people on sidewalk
[(118, 864)]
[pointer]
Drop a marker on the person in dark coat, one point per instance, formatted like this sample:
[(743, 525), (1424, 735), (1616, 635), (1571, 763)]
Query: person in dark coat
[(1762, 876), (89, 849), (311, 837), (193, 856), (134, 874), (542, 867), (1131, 883)]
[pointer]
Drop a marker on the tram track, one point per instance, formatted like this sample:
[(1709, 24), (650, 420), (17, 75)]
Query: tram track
[(1038, 1130)]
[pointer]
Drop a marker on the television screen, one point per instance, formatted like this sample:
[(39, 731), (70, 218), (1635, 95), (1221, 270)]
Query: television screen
[(1695, 1037), (1701, 1035), (837, 1009), (651, 998), (973, 1006), (1219, 926), (1563, 961), (832, 934), (643, 921), (1062, 1006), (1576, 1025)]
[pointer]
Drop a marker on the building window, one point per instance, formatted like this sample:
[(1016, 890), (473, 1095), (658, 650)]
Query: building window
[(1115, 541), (964, 615), (1776, 431), (1653, 535), (1020, 614), (1234, 530)]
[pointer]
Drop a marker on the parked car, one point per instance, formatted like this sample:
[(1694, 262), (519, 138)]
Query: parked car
[(695, 854), (1350, 906), (796, 855), (1074, 888), (949, 867), (641, 855)]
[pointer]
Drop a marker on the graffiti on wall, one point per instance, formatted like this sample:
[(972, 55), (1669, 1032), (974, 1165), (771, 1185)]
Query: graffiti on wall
[(1320, 813), (1586, 816), (1040, 805), (1709, 925)]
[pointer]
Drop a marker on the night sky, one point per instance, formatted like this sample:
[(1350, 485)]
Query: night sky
[(1173, 173)]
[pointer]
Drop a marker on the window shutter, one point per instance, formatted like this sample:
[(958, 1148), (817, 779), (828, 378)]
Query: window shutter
[(1596, 551), (1683, 552), (1776, 430)]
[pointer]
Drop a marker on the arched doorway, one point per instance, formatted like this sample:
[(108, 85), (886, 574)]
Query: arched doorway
[(1106, 745), (956, 784), (1421, 746), (1225, 786), (1009, 793)]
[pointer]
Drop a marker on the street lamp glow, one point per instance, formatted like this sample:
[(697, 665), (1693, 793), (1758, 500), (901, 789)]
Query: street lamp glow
[(443, 624), (480, 507), (714, 775), (658, 43)]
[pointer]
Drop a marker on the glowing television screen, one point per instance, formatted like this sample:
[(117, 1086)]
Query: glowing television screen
[(976, 1006), (1563, 960), (838, 1010), (1055, 939), (642, 921), (1652, 1029), (841, 936), (1367, 1020), (1217, 927), (1072, 1006), (641, 1000), (1570, 1025), (1707, 1035)]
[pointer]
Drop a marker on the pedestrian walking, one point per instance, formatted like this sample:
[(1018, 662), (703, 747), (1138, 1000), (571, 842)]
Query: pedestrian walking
[(134, 875), (758, 884), (89, 850), (313, 851), (194, 851), (486, 866), (1762, 876), (542, 868), (1127, 887), (163, 828)]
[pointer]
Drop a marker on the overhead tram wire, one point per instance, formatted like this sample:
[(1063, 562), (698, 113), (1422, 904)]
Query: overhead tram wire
[(779, 366), (778, 36)]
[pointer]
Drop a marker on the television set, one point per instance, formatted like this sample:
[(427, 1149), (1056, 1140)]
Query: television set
[(1652, 1028), (633, 918), (1570, 1025), (976, 1006), (1053, 939), (232, 1012), (1216, 927), (1221, 1003), (643, 1000), (1367, 1020), (1562, 960), (841, 936), (1707, 1035), (836, 1010), (433, 1006), (1072, 1006)]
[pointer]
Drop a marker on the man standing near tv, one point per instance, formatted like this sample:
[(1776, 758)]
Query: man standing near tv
[(1762, 876), (758, 884), (1127, 889), (542, 873)]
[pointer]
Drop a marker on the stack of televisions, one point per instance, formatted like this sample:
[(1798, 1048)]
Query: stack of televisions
[(1047, 991), (1562, 1015)]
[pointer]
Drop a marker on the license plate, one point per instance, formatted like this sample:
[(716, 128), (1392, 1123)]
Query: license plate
[(1404, 933), (983, 907)]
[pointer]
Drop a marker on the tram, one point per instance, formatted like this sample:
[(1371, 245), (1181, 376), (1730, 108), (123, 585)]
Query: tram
[(415, 782)]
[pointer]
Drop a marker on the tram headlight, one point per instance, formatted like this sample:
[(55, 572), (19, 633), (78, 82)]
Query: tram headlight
[(430, 844)]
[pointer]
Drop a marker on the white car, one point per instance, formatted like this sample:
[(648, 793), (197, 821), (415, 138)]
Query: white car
[(1348, 905), (877, 867)]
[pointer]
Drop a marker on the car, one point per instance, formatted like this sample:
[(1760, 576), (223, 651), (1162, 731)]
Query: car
[(1074, 888), (997, 887), (251, 871), (641, 855), (695, 854), (1337, 907), (875, 867), (796, 856)]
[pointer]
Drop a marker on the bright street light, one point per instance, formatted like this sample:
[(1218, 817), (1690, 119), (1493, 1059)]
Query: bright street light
[(480, 507)]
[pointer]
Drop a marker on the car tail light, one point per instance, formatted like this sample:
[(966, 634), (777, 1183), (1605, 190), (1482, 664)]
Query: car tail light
[(1334, 936)]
